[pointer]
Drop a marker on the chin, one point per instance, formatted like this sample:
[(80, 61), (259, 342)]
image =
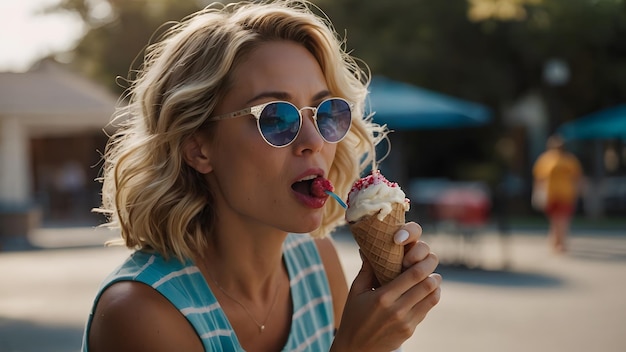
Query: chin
[(306, 227)]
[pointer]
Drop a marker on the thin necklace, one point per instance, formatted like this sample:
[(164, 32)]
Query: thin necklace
[(260, 325)]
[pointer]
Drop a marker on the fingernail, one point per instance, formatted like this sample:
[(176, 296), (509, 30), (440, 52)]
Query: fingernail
[(401, 236)]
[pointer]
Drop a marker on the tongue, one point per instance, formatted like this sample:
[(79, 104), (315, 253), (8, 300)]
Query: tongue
[(319, 186)]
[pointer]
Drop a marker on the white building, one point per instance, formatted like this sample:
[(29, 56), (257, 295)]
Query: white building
[(51, 138)]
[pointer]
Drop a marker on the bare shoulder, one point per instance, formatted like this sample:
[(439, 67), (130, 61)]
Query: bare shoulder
[(335, 274), (131, 316), (328, 252)]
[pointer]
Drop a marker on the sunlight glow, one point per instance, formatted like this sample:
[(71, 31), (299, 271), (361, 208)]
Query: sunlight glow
[(26, 35), (507, 10)]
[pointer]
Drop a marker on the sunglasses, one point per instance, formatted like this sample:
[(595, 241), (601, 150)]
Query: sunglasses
[(279, 122)]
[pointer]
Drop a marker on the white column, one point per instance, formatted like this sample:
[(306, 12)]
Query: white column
[(15, 177)]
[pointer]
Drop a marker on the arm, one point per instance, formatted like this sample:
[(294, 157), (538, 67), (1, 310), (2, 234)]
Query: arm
[(335, 274), (131, 316)]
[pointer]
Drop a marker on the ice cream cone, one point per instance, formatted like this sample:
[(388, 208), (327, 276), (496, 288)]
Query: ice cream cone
[(375, 238)]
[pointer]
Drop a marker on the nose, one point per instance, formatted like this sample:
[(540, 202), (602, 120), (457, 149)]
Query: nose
[(309, 138)]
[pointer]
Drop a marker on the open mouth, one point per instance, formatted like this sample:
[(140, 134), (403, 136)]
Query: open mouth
[(303, 187), (314, 186)]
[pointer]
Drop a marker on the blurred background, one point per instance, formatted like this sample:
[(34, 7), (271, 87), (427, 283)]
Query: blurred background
[(471, 88)]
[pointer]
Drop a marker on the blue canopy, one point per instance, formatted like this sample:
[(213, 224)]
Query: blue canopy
[(402, 106), (608, 123)]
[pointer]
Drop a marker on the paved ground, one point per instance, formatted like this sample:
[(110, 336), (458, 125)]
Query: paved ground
[(511, 295)]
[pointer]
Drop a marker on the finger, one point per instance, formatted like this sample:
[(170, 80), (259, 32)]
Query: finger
[(416, 254), (421, 309), (409, 233), (420, 291), (413, 275)]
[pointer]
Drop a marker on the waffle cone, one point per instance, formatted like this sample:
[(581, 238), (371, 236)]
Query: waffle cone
[(375, 238)]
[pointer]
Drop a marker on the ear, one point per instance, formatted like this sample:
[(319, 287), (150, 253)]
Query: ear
[(196, 152)]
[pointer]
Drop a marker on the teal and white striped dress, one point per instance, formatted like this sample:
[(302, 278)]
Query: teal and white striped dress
[(312, 325)]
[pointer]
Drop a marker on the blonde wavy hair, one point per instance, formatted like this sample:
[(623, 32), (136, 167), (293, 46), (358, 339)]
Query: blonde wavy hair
[(149, 192)]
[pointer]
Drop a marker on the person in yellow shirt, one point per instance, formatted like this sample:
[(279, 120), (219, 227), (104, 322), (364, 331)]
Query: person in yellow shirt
[(557, 177)]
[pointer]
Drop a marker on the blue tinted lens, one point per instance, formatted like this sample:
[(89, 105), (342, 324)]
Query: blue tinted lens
[(279, 123), (334, 118)]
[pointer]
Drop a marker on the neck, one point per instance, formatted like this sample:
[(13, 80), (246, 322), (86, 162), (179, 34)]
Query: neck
[(248, 264)]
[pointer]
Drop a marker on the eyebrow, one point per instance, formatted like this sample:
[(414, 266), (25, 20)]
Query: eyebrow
[(286, 96)]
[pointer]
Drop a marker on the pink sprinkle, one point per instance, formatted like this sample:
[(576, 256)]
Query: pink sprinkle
[(374, 178)]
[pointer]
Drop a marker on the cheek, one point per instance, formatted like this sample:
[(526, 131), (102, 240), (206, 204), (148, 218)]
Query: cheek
[(241, 158), (238, 162), (329, 153), (236, 140)]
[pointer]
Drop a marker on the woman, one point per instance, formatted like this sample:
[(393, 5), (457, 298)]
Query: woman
[(234, 114)]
